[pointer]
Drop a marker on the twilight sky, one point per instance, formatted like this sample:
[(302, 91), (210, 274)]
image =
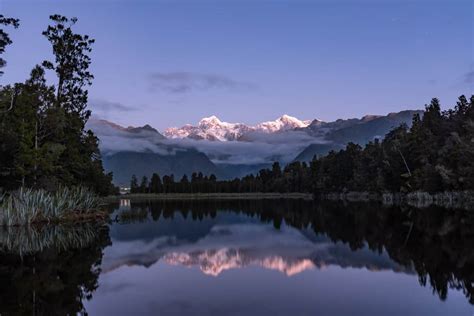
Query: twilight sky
[(168, 63)]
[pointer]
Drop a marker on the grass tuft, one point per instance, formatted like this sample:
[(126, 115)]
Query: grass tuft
[(28, 206)]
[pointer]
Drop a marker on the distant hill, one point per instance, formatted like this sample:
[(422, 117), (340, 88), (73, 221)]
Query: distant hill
[(125, 164), (102, 127), (360, 131), (231, 171), (364, 131), (316, 150)]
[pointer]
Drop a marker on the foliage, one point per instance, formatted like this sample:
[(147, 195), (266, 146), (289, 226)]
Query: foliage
[(5, 38), (42, 126), (27, 206)]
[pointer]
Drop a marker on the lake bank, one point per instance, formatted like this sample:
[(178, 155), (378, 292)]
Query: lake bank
[(212, 196), (459, 199), (463, 199)]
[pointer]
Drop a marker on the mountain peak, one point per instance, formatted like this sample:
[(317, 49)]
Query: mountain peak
[(370, 117), (283, 123), (288, 119), (213, 120), (144, 128), (212, 128)]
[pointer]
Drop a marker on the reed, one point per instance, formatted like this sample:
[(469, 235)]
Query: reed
[(27, 206)]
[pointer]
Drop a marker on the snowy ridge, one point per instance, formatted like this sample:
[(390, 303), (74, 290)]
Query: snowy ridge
[(213, 129)]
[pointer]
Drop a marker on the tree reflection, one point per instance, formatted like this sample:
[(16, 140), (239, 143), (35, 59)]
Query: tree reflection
[(436, 242), (53, 279)]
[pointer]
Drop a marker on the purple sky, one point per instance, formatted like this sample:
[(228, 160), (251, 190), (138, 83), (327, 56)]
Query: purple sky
[(168, 63)]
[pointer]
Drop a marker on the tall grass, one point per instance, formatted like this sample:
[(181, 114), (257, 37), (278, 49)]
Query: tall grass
[(27, 206)]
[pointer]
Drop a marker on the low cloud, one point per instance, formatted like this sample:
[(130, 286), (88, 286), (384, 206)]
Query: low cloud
[(184, 82), (263, 148), (469, 77), (105, 106)]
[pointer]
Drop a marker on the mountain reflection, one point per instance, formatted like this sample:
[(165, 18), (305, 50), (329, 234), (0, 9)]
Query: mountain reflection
[(232, 246), (434, 243)]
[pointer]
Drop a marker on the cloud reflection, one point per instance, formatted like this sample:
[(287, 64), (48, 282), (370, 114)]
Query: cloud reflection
[(236, 246)]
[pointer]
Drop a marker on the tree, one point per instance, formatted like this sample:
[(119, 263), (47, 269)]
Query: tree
[(71, 64), (168, 184), (5, 39), (26, 159), (144, 185), (44, 141), (185, 184), (79, 156), (155, 184), (134, 185)]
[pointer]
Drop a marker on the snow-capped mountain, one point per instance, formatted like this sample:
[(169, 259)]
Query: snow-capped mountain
[(283, 123), (143, 150), (212, 128), (209, 128)]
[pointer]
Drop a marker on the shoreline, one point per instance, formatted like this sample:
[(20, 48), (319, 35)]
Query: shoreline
[(212, 196), (449, 199), (462, 199)]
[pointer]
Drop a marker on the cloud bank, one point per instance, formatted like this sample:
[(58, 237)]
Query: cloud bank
[(183, 82), (101, 105), (264, 148)]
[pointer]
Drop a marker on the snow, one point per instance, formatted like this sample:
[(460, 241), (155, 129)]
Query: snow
[(212, 128), (285, 122)]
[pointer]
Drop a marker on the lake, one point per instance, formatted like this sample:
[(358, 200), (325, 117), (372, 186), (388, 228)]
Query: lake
[(263, 257)]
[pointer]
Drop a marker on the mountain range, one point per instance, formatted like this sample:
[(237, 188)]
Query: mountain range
[(231, 150), (213, 129)]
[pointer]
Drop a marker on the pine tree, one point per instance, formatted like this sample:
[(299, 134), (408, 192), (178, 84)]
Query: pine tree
[(144, 185), (155, 184), (134, 185)]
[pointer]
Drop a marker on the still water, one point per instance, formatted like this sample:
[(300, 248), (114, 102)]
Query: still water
[(282, 257)]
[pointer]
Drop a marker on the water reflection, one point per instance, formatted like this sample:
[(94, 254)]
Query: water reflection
[(49, 270), (250, 257), (236, 245), (434, 243)]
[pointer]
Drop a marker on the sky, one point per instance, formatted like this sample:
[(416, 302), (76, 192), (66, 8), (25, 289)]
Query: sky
[(168, 63)]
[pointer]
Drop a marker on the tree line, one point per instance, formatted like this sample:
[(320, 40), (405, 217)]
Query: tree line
[(44, 142), (435, 154)]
